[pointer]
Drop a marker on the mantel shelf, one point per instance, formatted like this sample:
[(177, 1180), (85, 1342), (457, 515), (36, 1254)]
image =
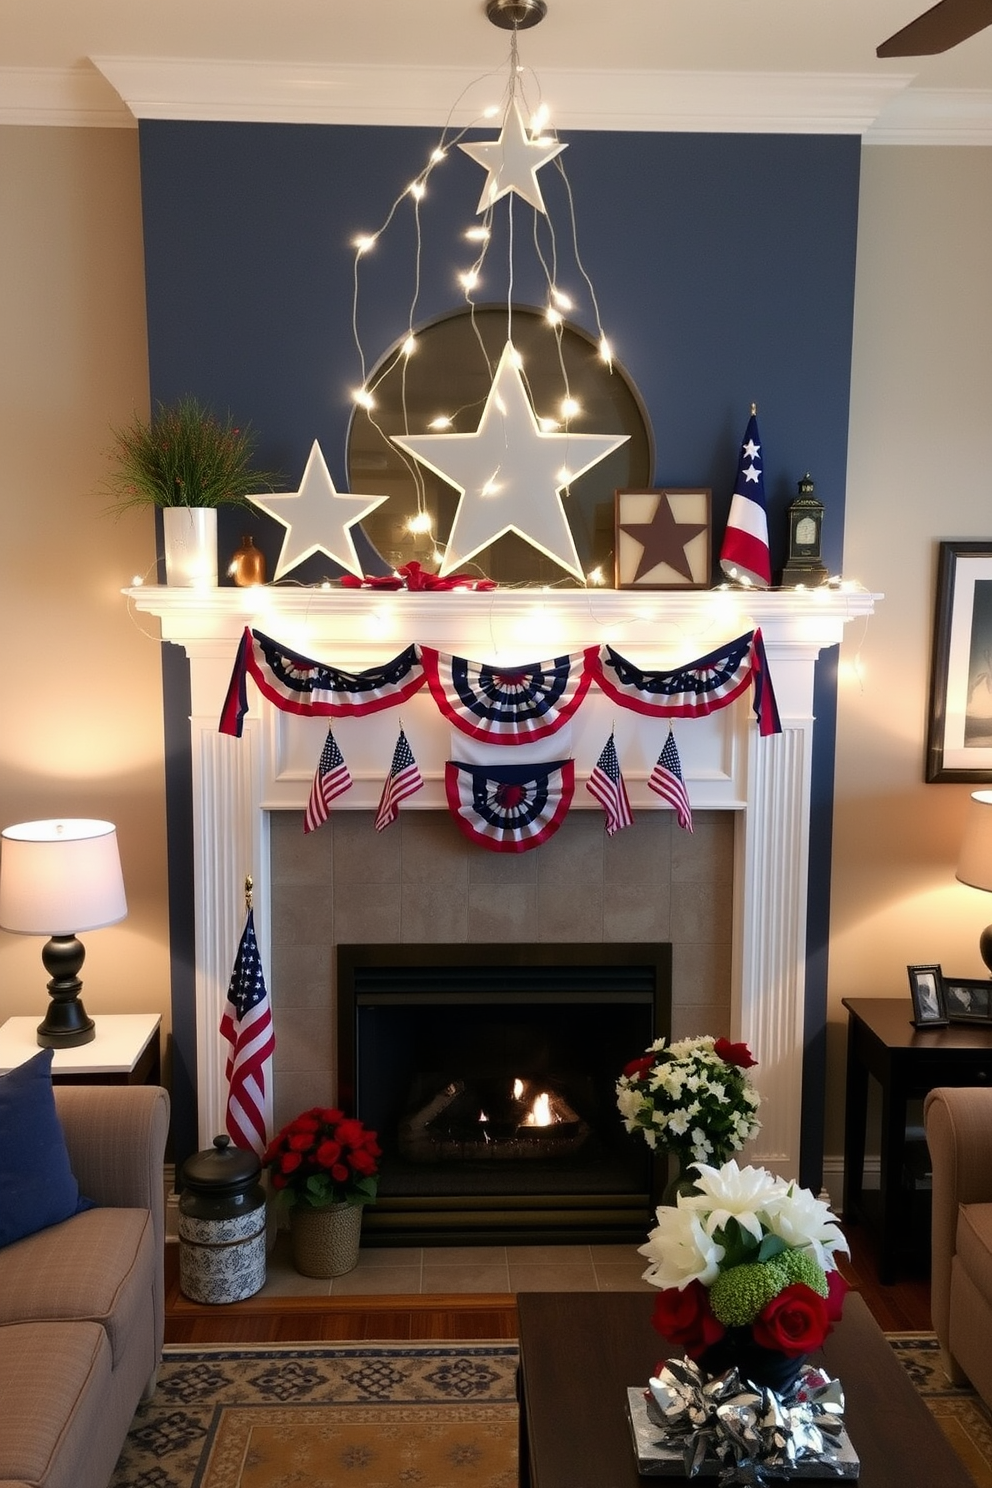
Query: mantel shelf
[(506, 618)]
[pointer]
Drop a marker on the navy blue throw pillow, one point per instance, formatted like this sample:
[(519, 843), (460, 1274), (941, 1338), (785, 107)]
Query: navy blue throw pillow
[(37, 1186)]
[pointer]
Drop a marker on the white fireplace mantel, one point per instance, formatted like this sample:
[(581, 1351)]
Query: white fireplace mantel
[(727, 766)]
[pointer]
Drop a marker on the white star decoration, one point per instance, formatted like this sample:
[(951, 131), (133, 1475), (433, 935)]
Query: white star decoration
[(319, 522), (510, 473), (513, 162)]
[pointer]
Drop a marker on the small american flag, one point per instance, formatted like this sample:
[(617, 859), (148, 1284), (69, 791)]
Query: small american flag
[(666, 779), (332, 779), (403, 780), (606, 784), (247, 1026)]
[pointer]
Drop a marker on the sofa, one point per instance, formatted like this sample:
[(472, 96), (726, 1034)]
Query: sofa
[(82, 1301), (958, 1125)]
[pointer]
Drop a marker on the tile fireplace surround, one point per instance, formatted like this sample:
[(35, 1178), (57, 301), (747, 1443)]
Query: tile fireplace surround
[(763, 783)]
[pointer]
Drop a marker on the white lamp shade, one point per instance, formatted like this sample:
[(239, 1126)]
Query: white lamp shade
[(975, 858), (60, 877)]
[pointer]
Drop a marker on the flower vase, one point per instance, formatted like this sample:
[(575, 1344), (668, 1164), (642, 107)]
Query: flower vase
[(682, 1183), (325, 1242), (762, 1366), (190, 544)]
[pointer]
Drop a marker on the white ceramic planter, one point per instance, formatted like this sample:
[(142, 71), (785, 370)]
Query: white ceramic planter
[(190, 546)]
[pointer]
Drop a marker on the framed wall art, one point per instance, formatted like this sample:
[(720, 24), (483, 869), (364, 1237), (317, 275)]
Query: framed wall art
[(968, 999), (662, 539), (926, 987), (959, 731)]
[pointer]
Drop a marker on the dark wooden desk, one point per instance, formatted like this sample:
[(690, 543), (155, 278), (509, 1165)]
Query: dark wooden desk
[(579, 1351), (907, 1062)]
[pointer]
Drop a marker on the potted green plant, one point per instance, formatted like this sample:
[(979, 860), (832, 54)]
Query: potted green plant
[(188, 461)]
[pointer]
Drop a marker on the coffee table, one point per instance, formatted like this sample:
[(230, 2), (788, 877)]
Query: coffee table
[(579, 1352)]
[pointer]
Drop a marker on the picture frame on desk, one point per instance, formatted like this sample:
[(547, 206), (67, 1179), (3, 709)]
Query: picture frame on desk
[(926, 987), (968, 999)]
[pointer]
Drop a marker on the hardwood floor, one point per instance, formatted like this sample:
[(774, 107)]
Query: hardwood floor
[(902, 1307)]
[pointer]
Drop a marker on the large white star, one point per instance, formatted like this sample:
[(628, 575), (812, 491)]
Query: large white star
[(513, 162), (510, 473), (319, 521)]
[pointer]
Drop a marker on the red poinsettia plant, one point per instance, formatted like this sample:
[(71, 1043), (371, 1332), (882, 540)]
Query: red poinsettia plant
[(324, 1157)]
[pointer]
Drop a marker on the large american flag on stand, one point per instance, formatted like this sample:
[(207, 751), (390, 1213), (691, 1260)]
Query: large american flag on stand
[(247, 1026)]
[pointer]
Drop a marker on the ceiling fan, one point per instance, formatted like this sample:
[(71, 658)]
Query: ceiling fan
[(939, 29)]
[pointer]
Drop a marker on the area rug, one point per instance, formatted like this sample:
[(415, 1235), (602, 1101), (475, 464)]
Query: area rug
[(961, 1414), (374, 1415)]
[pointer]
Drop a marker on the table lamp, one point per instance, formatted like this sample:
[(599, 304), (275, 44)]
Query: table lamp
[(56, 878), (975, 858)]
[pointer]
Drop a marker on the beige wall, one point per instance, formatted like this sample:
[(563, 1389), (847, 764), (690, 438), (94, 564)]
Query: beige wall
[(919, 470), (80, 697), (80, 688)]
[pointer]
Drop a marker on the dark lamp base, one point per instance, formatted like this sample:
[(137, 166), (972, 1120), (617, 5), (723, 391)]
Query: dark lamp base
[(985, 946), (66, 1024)]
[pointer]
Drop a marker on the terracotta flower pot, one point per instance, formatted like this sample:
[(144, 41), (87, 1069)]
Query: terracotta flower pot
[(325, 1242)]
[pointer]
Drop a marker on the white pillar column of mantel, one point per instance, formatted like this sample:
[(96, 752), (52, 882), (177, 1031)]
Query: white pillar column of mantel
[(769, 785)]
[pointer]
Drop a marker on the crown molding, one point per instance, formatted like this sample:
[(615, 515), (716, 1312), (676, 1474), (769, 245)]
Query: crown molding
[(935, 116), (114, 92), (303, 93), (70, 97)]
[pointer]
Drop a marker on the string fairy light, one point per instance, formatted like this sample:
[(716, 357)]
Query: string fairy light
[(512, 162)]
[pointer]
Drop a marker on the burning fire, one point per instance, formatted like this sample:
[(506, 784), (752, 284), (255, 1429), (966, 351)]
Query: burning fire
[(540, 1113)]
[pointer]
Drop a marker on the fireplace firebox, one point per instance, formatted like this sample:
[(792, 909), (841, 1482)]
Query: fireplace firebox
[(489, 1072)]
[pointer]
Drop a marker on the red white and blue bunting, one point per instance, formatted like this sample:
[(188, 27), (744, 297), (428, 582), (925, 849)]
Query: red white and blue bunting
[(298, 684), (504, 704), (509, 808), (504, 807), (698, 688)]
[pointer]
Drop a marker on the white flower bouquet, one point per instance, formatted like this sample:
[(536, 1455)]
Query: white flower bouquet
[(693, 1098), (747, 1261)]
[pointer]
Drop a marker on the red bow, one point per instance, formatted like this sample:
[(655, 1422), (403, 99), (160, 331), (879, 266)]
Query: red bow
[(412, 577)]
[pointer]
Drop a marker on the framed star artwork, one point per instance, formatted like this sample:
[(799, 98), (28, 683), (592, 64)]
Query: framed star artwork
[(662, 539)]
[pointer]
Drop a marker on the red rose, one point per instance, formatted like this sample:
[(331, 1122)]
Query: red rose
[(738, 1054), (301, 1142), (362, 1162), (328, 1153), (289, 1162), (683, 1316), (638, 1068), (795, 1322), (308, 1123), (835, 1299), (331, 1116), (350, 1133), (340, 1173)]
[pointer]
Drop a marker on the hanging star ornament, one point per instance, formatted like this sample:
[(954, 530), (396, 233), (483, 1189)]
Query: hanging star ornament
[(513, 162), (321, 519), (510, 473)]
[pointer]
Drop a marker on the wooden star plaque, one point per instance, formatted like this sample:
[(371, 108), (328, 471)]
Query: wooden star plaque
[(662, 539)]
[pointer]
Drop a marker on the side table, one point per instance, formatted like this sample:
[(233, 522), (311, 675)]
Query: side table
[(125, 1051), (907, 1062)]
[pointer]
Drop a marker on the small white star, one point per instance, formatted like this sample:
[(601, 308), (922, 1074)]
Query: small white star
[(750, 450), (513, 162), (318, 523), (510, 473), (751, 472)]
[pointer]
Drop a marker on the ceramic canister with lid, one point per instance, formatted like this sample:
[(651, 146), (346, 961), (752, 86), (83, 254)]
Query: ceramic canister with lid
[(221, 1224)]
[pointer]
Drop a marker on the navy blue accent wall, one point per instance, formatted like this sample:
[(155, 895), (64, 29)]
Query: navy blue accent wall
[(723, 266)]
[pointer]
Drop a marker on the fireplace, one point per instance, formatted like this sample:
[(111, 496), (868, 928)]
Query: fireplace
[(489, 1073), (238, 785)]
